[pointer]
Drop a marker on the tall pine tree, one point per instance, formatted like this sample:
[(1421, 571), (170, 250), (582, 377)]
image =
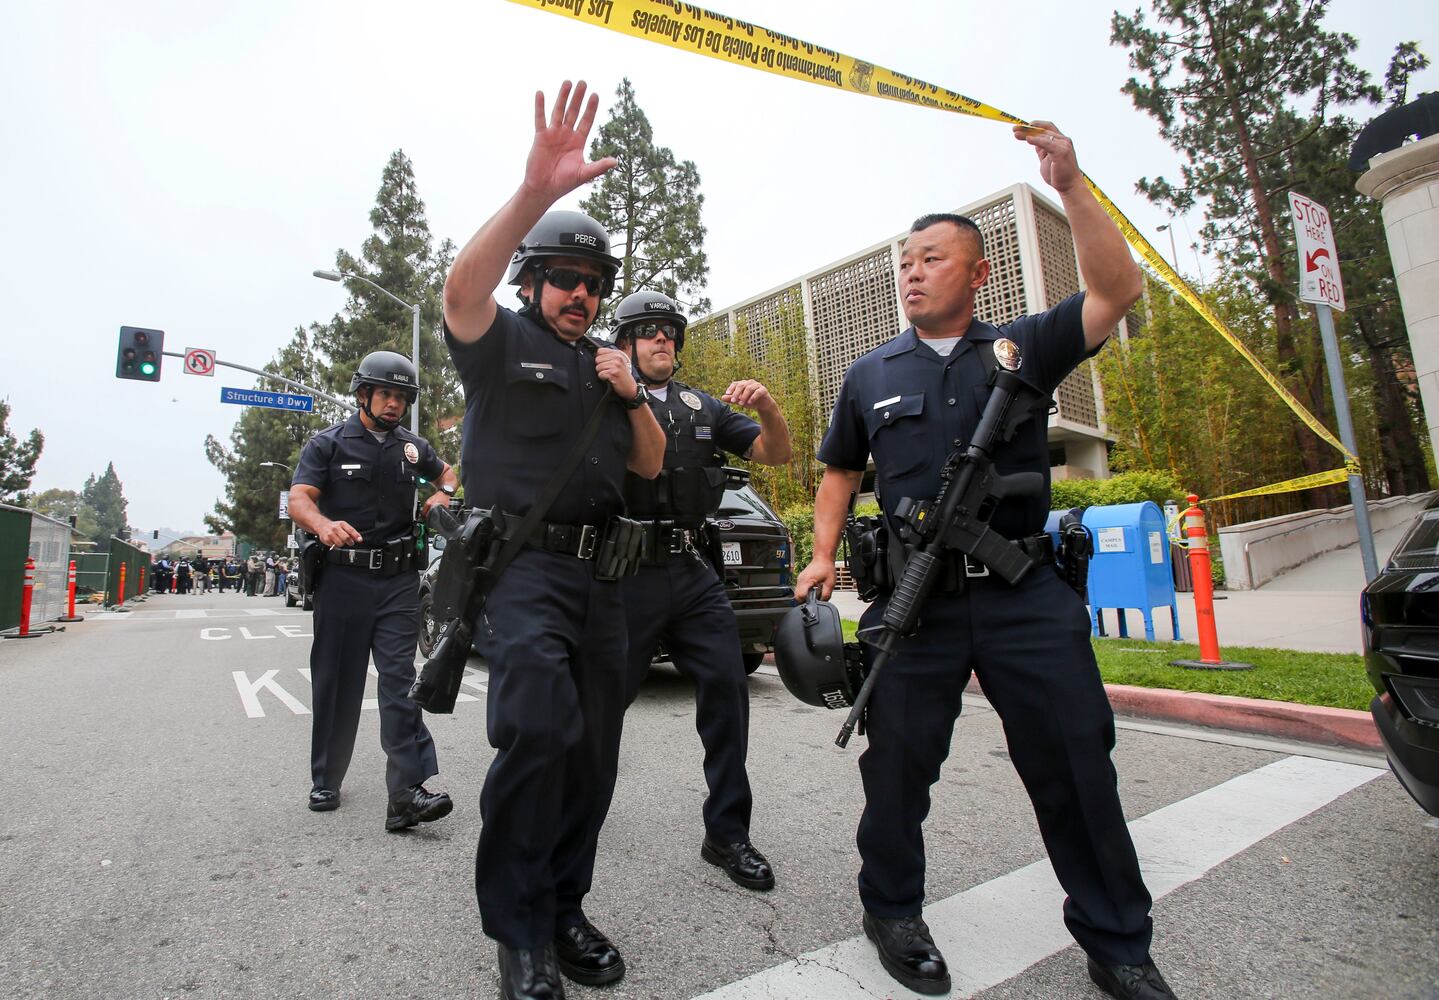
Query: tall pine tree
[(105, 495), (399, 257), (1236, 86), (650, 204)]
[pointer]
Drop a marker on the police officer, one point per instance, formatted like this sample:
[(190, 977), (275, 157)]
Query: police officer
[(552, 634), (354, 489), (905, 404), (677, 597)]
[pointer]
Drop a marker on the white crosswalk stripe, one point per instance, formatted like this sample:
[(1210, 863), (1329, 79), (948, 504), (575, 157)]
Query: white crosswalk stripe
[(1177, 844)]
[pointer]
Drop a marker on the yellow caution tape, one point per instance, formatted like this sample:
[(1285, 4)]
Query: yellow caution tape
[(1330, 478), (693, 29), (1172, 278)]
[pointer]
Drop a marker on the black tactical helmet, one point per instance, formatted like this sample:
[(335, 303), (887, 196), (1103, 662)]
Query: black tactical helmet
[(814, 661), (566, 234), (387, 369), (653, 307)]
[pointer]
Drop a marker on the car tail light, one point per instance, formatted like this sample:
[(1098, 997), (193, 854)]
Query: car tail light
[(1419, 698)]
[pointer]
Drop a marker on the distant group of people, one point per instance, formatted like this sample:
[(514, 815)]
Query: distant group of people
[(261, 575)]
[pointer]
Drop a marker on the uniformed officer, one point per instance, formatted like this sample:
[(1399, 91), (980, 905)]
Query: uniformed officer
[(905, 404), (552, 634), (354, 489), (677, 597)]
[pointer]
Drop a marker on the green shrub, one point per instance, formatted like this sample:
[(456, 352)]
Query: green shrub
[(1127, 487), (799, 522)]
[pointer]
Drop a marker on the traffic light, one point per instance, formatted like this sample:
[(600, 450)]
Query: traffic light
[(140, 353)]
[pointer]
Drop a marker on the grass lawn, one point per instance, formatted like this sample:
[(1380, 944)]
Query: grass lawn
[(1336, 680)]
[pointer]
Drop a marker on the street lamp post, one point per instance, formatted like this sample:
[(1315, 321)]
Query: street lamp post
[(1173, 253), (414, 337)]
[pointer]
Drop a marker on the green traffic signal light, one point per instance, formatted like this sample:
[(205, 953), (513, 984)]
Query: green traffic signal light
[(140, 353)]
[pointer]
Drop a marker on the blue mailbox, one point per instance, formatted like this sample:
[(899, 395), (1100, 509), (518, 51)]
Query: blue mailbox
[(1130, 568)]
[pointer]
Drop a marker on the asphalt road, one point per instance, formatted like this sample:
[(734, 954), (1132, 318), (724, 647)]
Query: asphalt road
[(154, 842)]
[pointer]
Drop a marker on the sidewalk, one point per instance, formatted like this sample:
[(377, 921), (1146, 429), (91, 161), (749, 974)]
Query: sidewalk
[(1314, 608)]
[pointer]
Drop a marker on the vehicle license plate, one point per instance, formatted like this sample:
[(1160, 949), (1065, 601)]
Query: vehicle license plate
[(732, 554)]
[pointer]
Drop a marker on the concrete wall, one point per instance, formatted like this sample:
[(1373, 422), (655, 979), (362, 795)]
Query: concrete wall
[(1257, 552)]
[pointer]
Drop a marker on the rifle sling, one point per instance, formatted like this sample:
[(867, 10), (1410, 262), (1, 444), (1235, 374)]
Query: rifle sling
[(516, 539)]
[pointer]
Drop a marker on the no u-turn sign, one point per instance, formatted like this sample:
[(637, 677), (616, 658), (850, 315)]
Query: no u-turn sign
[(1319, 280)]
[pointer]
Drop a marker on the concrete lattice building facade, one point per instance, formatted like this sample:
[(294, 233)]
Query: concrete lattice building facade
[(852, 305)]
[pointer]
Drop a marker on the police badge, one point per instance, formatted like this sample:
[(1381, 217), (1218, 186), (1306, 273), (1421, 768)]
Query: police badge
[(412, 454), (690, 400), (1006, 352)]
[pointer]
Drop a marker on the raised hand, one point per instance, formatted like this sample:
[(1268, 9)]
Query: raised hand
[(557, 164), (1057, 163)]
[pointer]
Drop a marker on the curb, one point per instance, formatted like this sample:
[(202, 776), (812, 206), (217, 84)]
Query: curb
[(1341, 727), (1338, 727)]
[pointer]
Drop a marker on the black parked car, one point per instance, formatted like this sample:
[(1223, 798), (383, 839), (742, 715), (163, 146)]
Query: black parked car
[(757, 555), (1400, 609)]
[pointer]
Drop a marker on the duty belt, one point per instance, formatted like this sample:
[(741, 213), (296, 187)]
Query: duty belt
[(664, 539), (578, 540), (394, 557), (1040, 548), (614, 547)]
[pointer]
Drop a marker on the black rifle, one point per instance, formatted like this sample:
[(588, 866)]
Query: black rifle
[(459, 591), (958, 520)]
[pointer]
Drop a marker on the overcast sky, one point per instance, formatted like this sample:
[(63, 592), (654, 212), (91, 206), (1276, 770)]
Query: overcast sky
[(186, 166)]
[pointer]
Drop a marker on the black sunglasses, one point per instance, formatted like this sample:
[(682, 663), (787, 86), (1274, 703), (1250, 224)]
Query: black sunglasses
[(566, 278), (649, 331)]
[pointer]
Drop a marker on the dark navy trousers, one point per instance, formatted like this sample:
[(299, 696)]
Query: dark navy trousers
[(683, 605), (554, 639), (1029, 647), (359, 613)]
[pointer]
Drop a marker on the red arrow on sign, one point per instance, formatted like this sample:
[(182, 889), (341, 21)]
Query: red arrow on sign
[(1311, 260)]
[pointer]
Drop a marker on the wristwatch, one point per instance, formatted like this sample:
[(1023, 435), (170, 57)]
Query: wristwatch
[(642, 396), (448, 491)]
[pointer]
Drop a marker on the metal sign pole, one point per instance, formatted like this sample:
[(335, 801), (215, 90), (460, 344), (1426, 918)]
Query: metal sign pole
[(1346, 435), (278, 378)]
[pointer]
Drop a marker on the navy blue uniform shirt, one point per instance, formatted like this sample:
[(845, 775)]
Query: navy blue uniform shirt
[(528, 394), (911, 408), (698, 430), (366, 483)]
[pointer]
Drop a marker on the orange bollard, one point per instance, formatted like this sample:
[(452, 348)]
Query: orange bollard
[(121, 589), (27, 596), (1202, 572), (70, 615)]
